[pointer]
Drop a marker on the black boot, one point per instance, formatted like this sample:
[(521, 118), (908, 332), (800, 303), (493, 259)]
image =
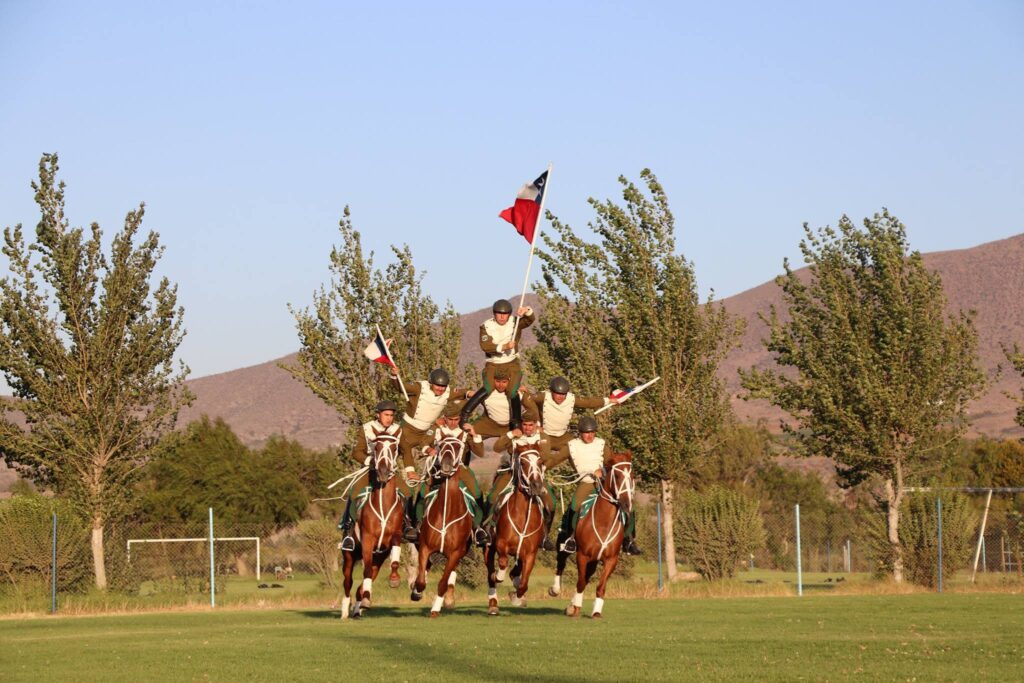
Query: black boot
[(547, 543), (409, 531), (630, 546), (348, 542), (481, 537)]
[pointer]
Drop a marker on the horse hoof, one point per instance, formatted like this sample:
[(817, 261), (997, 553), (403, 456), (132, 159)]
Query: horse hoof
[(516, 600), (394, 580), (572, 611), (357, 615), (595, 615), (554, 592), (365, 604), (415, 597), (492, 611), (435, 615)]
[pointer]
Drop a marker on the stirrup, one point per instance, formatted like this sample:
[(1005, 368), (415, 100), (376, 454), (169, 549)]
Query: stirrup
[(632, 548), (570, 545), (547, 544), (481, 536), (348, 544), (411, 534)]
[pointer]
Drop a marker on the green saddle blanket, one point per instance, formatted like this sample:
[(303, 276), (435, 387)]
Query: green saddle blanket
[(588, 505), (466, 495)]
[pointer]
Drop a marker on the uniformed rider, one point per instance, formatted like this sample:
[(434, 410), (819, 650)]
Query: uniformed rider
[(555, 407), (362, 454), (427, 400), (589, 455), (499, 346), (500, 414), (527, 437), (474, 445)]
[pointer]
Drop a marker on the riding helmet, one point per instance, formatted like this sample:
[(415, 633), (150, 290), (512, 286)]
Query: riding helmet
[(559, 385), (587, 424), (439, 377), (387, 405), (502, 306)]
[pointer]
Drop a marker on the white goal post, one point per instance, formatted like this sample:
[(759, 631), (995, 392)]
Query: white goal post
[(198, 540)]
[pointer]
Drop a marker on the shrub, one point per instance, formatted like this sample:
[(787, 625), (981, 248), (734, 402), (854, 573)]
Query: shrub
[(26, 550), (320, 539), (716, 529), (919, 536)]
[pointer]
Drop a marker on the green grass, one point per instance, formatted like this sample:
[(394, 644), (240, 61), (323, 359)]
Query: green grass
[(817, 637)]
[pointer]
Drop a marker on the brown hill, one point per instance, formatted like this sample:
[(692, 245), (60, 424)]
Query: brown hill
[(263, 399)]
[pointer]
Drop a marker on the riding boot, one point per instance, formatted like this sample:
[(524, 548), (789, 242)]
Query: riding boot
[(516, 410), (630, 546), (409, 531), (547, 543), (348, 543)]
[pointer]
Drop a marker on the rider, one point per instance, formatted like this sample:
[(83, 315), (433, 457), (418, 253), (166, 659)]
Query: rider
[(474, 445), (362, 454), (556, 406), (527, 437), (427, 400), (498, 345), (500, 413), (589, 454)]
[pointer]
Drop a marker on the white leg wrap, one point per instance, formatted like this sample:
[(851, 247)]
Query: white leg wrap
[(396, 553), (501, 575), (346, 604), (557, 585), (438, 604), (598, 606), (451, 578), (367, 584), (492, 593), (577, 600)]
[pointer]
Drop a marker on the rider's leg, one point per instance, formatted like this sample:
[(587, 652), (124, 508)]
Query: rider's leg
[(515, 411), (501, 480), (348, 543), (629, 542), (409, 531), (582, 492), (549, 515), (468, 479)]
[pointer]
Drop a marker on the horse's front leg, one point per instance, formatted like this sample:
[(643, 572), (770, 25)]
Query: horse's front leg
[(523, 584), (606, 571), (584, 569), (348, 560), (492, 583), (423, 556), (446, 584)]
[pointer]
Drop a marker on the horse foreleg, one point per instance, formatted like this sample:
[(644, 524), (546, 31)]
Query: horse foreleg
[(582, 577), (363, 592), (606, 571), (492, 584), (423, 554), (502, 565), (395, 580), (347, 565), (446, 584), (525, 565)]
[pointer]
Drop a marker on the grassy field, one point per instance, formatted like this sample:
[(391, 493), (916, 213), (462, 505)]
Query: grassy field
[(895, 637)]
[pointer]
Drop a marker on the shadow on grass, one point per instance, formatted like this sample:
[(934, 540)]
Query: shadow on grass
[(422, 612)]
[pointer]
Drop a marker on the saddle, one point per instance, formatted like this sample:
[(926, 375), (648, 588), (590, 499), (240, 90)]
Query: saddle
[(588, 505)]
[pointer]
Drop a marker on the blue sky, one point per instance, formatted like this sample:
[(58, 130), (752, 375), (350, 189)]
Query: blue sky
[(247, 127)]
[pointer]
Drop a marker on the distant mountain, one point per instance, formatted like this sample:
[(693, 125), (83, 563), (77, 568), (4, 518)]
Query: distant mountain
[(263, 399)]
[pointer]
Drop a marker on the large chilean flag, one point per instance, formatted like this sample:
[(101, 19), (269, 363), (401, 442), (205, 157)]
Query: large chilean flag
[(526, 211)]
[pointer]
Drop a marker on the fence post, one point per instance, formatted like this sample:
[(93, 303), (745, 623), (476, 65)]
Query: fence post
[(661, 584), (53, 569), (213, 598), (799, 567), (938, 508)]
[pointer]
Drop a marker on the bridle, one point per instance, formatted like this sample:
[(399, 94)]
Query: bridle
[(619, 478), (448, 458), (526, 469), (385, 453)]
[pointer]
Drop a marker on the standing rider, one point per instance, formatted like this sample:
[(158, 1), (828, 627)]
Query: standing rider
[(555, 407), (527, 437), (498, 344), (427, 400), (362, 453), (589, 455), (474, 445)]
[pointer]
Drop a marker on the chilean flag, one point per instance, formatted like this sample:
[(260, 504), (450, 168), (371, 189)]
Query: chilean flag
[(621, 394), (377, 351), (526, 211)]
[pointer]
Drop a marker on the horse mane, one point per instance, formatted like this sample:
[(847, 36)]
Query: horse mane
[(624, 456)]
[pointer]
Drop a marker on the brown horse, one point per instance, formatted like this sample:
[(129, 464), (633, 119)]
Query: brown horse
[(519, 529), (446, 526), (599, 534), (378, 528)]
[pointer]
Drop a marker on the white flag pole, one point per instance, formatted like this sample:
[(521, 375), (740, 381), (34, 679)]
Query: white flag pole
[(533, 245), (393, 364), (628, 396)]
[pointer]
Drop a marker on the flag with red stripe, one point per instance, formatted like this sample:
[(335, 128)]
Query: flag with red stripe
[(525, 213), (377, 351)]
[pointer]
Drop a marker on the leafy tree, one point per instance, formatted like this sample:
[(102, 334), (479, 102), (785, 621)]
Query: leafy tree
[(626, 309), (341, 322), (1016, 358), (87, 346), (717, 529), (872, 367)]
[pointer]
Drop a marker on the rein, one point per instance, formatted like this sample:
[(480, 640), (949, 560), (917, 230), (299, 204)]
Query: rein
[(521, 483), (621, 477), (455, 448)]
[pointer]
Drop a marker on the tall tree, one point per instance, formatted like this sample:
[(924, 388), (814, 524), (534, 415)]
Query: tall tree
[(341, 322), (87, 345), (873, 371), (626, 309), (1016, 358)]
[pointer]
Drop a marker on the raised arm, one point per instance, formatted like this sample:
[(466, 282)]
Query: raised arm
[(487, 344)]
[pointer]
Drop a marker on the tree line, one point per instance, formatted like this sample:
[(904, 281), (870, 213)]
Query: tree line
[(870, 369)]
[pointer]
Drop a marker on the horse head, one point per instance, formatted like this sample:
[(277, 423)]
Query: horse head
[(528, 471), (448, 457), (619, 480), (385, 456)]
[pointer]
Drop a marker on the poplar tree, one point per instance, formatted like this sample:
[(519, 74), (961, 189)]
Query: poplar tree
[(87, 345), (1016, 358), (342, 320), (873, 371), (626, 309)]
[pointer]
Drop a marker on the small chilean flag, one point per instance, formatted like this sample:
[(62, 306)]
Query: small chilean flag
[(620, 394), (377, 351), (526, 211)]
